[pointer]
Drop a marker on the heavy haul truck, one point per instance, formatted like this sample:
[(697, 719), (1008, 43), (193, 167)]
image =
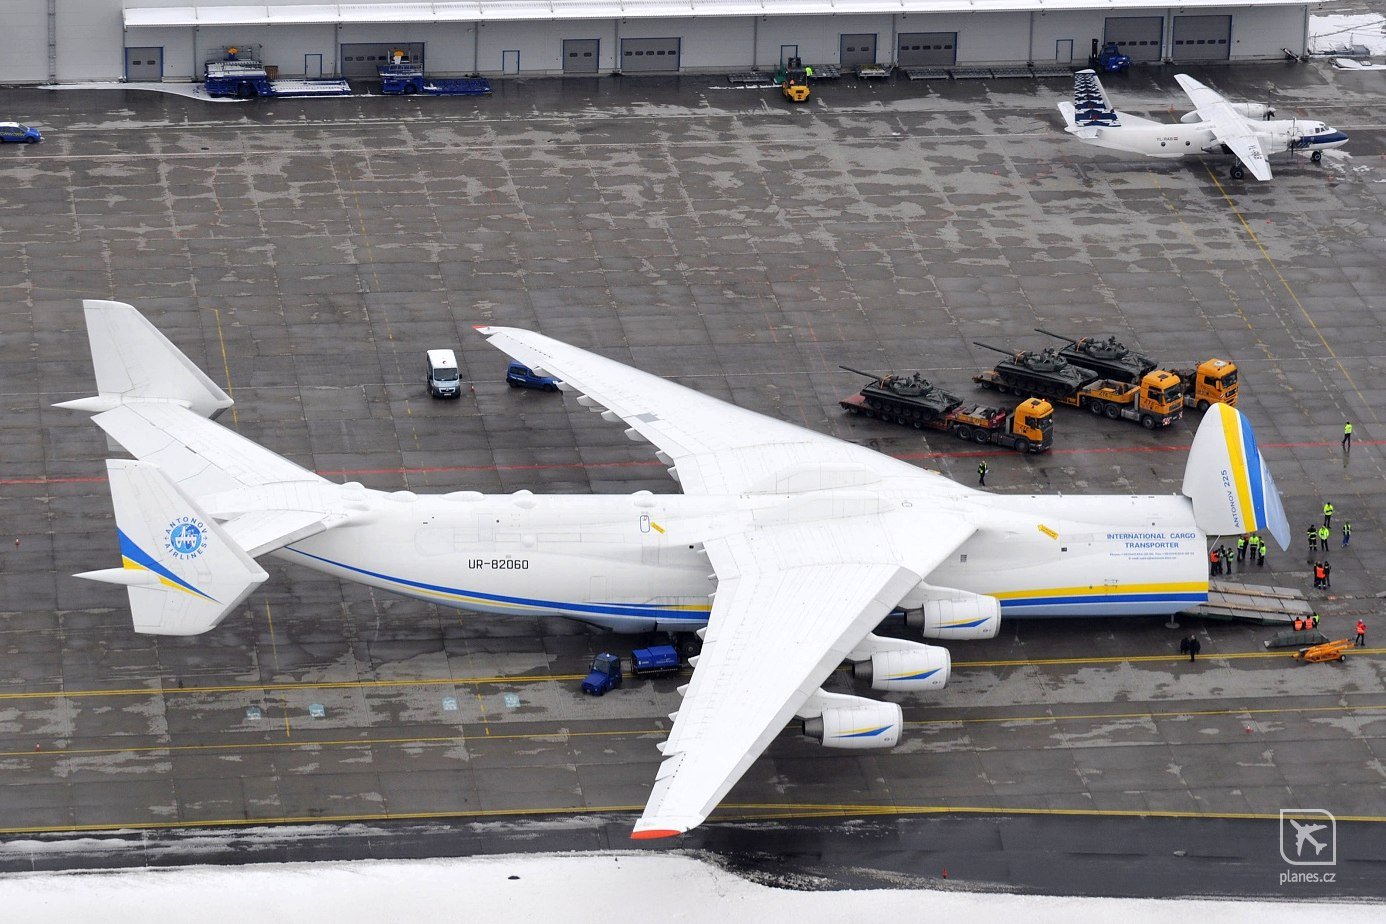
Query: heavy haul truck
[(914, 401), (1155, 402), (1212, 381)]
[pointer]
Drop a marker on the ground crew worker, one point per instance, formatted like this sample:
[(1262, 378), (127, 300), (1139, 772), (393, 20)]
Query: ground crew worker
[(1214, 564), (982, 473), (1327, 575), (1361, 635), (1299, 624), (1260, 552), (1191, 647), (1313, 533), (1347, 534), (808, 71), (1347, 437), (1314, 620), (1328, 514), (1241, 549), (1318, 575), (1323, 537)]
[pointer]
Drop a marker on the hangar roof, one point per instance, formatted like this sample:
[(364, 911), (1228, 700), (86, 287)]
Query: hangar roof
[(513, 10)]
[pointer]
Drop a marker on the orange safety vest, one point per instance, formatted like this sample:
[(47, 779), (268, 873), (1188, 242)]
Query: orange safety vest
[(1361, 627), (1299, 624), (1318, 572)]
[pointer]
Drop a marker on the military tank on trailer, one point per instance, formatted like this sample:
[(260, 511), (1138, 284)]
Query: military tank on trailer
[(1038, 372), (886, 392), (1107, 356)]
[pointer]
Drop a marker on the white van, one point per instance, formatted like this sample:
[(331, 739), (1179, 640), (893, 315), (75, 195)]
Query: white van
[(441, 377)]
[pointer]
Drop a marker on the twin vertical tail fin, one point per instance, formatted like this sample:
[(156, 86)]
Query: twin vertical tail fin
[(1228, 481), (182, 571), (135, 363)]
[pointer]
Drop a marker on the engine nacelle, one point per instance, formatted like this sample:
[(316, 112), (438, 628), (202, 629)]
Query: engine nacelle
[(921, 667), (1258, 111), (959, 616), (857, 724)]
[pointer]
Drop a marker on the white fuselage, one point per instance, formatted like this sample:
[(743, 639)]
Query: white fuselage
[(1181, 139), (632, 562)]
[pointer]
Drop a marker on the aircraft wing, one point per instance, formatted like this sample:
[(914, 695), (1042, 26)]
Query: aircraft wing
[(712, 447), (792, 602), (1229, 126)]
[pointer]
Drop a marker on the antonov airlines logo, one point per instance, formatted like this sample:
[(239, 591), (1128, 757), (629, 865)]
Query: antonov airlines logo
[(185, 538)]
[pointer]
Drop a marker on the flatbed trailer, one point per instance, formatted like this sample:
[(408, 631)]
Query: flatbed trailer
[(1212, 381), (1029, 429), (251, 80), (409, 79), (1156, 403)]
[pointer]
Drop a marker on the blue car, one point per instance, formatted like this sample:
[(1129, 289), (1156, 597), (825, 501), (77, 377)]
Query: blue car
[(14, 133), (519, 376)]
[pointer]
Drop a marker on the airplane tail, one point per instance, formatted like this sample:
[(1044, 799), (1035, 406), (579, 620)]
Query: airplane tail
[(134, 362), (1090, 108), (1228, 481), (183, 572)]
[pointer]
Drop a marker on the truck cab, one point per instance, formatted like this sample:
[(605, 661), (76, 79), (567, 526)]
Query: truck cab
[(1162, 395), (605, 674), (441, 375), (1034, 420), (1214, 381)]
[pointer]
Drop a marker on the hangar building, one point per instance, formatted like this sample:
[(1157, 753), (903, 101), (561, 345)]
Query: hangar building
[(141, 40)]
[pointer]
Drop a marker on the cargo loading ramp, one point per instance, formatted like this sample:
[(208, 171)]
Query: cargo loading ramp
[(1255, 603)]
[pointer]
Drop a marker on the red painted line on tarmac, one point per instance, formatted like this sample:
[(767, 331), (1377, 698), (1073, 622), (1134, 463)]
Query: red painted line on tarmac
[(650, 463)]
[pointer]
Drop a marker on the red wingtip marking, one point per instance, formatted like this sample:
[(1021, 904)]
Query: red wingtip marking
[(653, 833)]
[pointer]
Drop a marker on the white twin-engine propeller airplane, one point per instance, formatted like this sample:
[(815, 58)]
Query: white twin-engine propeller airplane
[(1247, 131), (785, 551)]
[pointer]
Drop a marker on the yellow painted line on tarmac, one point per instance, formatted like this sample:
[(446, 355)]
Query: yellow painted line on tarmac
[(1289, 290), (725, 812), (1171, 714), (226, 367), (564, 678)]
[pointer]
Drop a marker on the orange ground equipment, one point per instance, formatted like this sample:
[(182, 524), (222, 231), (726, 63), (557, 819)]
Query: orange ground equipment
[(1328, 651)]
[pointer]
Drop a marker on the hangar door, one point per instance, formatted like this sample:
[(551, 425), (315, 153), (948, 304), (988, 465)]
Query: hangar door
[(649, 54), (1138, 36), (857, 49), (916, 48), (360, 59), (580, 56), (144, 64), (1202, 38)]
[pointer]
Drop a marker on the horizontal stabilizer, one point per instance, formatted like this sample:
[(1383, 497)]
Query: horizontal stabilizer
[(182, 571), (134, 362), (1228, 481)]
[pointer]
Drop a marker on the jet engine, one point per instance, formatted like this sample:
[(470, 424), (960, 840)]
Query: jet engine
[(856, 723), (913, 669), (956, 616)]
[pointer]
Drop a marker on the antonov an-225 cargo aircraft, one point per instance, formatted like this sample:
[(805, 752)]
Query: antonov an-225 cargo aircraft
[(784, 552)]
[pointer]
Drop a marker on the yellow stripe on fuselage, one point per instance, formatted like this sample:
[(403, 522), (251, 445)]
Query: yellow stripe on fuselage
[(1099, 590)]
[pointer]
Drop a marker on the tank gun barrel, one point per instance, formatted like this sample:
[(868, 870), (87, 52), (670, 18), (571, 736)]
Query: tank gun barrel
[(869, 375), (1050, 333), (994, 349)]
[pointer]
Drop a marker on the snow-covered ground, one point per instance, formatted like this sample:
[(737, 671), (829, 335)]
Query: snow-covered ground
[(666, 889), (1337, 30)]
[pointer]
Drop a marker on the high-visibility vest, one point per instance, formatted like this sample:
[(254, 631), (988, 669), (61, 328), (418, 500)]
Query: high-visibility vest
[(1328, 510), (1318, 572), (1323, 533), (1347, 429), (1299, 624)]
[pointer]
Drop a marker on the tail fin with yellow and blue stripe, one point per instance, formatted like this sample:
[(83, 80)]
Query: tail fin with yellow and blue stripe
[(1228, 481), (183, 572)]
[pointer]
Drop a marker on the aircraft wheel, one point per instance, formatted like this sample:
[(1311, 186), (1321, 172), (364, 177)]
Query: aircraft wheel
[(1238, 173), (1317, 157)]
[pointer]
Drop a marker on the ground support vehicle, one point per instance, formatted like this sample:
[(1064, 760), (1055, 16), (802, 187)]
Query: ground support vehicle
[(14, 133), (1328, 651), (914, 401), (1109, 60), (655, 661), (518, 375), (251, 79), (441, 375), (409, 79), (604, 674), (1157, 401), (793, 79), (1212, 381)]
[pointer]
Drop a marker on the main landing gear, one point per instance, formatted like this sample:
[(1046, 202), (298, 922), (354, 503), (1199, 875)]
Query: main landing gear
[(1317, 157), (1238, 173)]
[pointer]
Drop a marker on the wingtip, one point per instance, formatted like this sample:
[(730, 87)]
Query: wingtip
[(650, 834)]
